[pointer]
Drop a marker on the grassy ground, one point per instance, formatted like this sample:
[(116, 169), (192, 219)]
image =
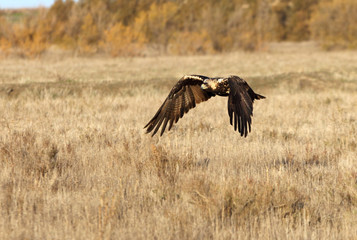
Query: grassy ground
[(75, 162)]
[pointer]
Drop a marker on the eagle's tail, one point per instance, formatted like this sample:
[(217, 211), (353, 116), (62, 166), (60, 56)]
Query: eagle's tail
[(257, 96)]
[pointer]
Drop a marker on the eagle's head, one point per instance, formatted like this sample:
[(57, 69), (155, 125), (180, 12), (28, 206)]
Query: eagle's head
[(209, 84)]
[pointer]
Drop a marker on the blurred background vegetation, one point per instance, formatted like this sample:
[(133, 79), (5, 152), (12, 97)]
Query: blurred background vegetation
[(181, 27)]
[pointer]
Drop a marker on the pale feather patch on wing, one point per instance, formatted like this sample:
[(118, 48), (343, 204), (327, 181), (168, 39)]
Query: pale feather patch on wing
[(195, 77)]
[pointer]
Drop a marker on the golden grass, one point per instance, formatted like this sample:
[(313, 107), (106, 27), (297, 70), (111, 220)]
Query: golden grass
[(75, 162)]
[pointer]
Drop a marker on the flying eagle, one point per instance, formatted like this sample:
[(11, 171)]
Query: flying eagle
[(193, 89)]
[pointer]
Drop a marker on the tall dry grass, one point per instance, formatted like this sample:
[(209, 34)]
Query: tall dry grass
[(76, 164)]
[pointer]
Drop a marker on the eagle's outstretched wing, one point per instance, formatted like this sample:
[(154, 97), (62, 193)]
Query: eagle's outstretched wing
[(240, 104), (183, 96)]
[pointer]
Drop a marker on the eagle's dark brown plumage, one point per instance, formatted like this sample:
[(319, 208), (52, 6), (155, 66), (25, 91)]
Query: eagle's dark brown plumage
[(193, 89)]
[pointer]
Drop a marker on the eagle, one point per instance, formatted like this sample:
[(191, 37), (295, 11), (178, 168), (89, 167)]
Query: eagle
[(194, 89)]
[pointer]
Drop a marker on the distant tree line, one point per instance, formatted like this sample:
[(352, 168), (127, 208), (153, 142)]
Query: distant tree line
[(131, 28)]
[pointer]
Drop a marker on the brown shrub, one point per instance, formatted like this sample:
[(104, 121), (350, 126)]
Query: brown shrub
[(334, 24), (122, 40), (88, 36), (189, 43), (30, 37)]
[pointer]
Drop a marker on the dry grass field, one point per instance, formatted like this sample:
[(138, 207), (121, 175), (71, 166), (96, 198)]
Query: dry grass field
[(75, 162)]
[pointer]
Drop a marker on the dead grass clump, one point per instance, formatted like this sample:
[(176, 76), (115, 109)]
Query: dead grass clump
[(36, 158), (169, 167)]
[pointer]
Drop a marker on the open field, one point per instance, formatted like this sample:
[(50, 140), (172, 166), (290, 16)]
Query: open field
[(75, 162)]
